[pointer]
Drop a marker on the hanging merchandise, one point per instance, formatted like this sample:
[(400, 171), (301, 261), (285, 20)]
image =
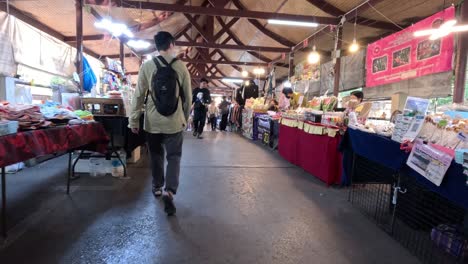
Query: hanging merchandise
[(89, 78)]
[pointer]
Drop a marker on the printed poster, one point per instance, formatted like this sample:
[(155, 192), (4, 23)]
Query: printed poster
[(402, 56), (431, 163), (409, 124)]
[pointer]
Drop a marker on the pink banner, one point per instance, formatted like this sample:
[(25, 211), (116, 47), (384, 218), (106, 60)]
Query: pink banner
[(402, 56)]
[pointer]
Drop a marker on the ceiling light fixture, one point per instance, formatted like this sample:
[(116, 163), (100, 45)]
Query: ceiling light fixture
[(287, 84), (444, 30), (231, 80), (314, 56), (138, 44), (259, 71), (245, 73), (292, 23), (354, 46), (116, 29)]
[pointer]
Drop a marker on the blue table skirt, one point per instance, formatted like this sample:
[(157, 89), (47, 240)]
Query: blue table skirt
[(387, 153)]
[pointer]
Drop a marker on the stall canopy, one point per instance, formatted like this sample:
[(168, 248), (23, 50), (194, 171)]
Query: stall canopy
[(221, 38)]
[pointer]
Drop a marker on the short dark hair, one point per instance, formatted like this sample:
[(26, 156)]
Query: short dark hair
[(287, 91), (163, 40), (203, 80), (358, 94)]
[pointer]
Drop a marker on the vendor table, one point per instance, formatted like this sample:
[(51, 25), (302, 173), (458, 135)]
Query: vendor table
[(23, 146), (404, 203), (316, 154)]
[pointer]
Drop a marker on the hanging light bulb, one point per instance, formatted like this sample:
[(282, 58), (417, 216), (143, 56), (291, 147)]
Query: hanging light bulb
[(354, 46), (247, 83), (259, 71), (245, 73), (314, 56)]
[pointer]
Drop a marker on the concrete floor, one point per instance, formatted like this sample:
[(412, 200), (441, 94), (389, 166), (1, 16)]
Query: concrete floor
[(238, 203)]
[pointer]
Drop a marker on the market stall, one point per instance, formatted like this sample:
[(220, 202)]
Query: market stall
[(21, 146)]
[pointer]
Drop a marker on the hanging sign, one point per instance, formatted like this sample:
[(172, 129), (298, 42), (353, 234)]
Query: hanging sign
[(283, 56), (403, 56), (306, 43)]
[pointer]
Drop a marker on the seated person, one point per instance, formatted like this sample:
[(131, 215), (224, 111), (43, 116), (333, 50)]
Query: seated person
[(285, 103), (273, 106)]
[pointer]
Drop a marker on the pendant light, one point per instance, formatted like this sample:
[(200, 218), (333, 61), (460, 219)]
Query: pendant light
[(314, 56), (354, 47)]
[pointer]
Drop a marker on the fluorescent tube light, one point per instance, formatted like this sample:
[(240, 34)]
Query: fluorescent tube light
[(231, 80), (292, 23), (138, 44)]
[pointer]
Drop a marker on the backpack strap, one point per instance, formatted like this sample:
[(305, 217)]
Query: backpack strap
[(158, 65), (163, 60)]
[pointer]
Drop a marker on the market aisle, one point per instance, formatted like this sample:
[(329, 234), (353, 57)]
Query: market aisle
[(238, 203)]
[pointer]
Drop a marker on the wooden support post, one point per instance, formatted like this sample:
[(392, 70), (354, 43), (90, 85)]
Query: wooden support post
[(338, 45), (291, 65), (462, 53), (122, 55), (79, 41)]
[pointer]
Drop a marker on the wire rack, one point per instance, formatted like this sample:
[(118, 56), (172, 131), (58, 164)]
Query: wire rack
[(404, 208)]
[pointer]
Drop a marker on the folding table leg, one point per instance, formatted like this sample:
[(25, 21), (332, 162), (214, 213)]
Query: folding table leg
[(4, 228), (73, 177), (69, 171)]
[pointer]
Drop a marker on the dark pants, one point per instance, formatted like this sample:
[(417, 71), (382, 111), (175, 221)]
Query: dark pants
[(199, 121), (224, 121), (213, 121), (158, 144)]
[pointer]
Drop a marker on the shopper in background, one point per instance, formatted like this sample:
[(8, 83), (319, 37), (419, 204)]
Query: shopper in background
[(285, 99), (164, 127), (224, 109), (201, 99), (213, 114)]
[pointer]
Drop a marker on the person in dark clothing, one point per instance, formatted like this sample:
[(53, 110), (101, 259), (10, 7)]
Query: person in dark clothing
[(224, 110), (201, 99)]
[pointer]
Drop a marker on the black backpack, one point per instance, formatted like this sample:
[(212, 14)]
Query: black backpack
[(165, 88)]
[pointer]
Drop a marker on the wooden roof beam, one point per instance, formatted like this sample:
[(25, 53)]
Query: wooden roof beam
[(276, 37), (19, 14), (230, 47), (239, 42), (226, 62), (334, 11), (215, 11)]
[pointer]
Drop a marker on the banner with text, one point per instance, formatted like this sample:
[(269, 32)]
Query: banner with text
[(402, 56)]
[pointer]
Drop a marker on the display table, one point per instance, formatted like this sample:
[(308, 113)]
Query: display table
[(317, 154), (23, 146), (401, 201), (387, 152)]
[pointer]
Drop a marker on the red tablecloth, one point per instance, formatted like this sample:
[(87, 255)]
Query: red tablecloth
[(287, 143), (22, 146), (316, 154), (319, 156)]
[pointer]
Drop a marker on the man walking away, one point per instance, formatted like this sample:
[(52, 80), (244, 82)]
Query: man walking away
[(213, 114), (201, 99), (164, 88), (224, 109)]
